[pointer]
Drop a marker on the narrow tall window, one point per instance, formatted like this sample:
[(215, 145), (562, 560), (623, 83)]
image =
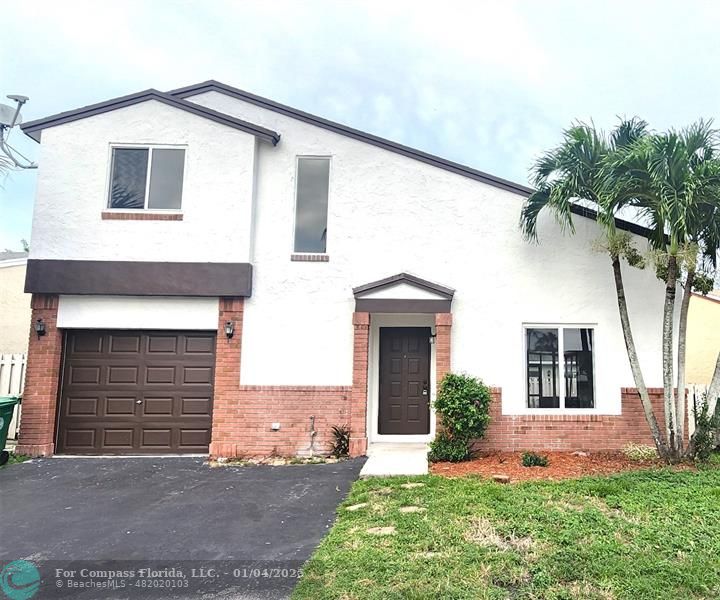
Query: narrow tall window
[(311, 210), (147, 178), (545, 370)]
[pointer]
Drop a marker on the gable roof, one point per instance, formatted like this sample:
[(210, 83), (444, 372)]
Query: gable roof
[(34, 128), (288, 111), (216, 86), (412, 280)]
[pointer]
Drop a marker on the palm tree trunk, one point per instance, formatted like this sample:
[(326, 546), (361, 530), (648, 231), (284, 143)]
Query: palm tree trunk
[(682, 346), (668, 355), (634, 361)]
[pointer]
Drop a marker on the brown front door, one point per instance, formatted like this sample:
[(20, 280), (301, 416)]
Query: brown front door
[(136, 392), (404, 381)]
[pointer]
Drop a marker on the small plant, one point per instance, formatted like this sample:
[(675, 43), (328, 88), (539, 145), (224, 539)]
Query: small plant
[(463, 403), (706, 427), (532, 459), (639, 451), (341, 441), (446, 448)]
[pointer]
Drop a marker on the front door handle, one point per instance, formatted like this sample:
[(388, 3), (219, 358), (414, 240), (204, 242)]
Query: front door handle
[(425, 388)]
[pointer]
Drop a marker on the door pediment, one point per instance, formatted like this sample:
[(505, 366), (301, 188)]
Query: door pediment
[(403, 293)]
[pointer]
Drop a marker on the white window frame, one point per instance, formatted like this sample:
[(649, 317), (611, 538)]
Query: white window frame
[(149, 148), (295, 207), (561, 367)]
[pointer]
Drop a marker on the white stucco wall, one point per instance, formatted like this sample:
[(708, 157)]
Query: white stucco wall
[(134, 312), (72, 190), (388, 214)]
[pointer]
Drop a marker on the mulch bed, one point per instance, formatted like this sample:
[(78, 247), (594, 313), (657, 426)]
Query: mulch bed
[(562, 465)]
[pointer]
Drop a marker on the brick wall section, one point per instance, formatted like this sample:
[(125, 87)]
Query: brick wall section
[(227, 413), (243, 414), (37, 426), (359, 397), (571, 432)]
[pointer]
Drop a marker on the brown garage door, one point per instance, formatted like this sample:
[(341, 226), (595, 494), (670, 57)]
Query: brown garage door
[(136, 392)]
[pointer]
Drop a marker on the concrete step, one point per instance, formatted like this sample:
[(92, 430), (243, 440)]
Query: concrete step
[(395, 459)]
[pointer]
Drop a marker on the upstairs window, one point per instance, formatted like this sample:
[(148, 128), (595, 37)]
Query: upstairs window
[(147, 178), (311, 204), (556, 383)]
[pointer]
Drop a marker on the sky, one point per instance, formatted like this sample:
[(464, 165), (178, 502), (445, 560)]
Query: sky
[(487, 84)]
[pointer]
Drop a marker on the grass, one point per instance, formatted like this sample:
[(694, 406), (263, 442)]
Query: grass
[(15, 459), (638, 535)]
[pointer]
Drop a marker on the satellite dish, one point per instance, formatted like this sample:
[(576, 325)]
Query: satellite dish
[(7, 115)]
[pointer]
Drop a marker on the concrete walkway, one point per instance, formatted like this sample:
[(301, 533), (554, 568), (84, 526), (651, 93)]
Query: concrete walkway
[(395, 459)]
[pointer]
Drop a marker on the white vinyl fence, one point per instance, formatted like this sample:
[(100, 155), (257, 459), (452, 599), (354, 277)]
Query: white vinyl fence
[(12, 380)]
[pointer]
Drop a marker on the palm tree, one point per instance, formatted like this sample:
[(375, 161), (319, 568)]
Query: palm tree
[(580, 170), (673, 180)]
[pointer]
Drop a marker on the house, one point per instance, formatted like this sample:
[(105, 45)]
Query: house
[(216, 272), (703, 337), (14, 328), (14, 303)]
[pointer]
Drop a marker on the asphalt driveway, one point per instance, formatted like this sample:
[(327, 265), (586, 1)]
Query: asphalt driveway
[(173, 527)]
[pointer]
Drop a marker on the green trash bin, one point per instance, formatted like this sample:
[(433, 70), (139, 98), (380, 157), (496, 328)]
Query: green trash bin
[(7, 406)]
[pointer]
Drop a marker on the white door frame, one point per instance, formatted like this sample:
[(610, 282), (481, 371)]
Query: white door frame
[(378, 320)]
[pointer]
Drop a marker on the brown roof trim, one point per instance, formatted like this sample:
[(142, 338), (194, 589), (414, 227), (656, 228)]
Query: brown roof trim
[(34, 128), (388, 305), (436, 161), (131, 278), (590, 213), (441, 290)]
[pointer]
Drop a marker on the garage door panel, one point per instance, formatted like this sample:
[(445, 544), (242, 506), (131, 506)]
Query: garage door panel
[(196, 406), (122, 374), (119, 438), (197, 375), (158, 406), (81, 439), (136, 392), (200, 345), (162, 345), (82, 406), (157, 437), (115, 407), (84, 375), (194, 438), (160, 375), (86, 343), (123, 344)]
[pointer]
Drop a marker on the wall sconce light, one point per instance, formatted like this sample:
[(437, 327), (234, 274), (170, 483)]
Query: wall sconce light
[(40, 328), (432, 338), (229, 329)]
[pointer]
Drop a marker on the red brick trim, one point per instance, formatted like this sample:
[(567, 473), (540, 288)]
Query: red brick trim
[(39, 407), (359, 401), (568, 432), (310, 258), (108, 215)]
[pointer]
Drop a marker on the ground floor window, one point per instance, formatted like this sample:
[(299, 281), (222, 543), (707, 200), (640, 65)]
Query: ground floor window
[(555, 382)]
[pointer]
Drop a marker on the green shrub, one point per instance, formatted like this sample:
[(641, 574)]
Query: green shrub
[(639, 451), (446, 448), (706, 427), (531, 459), (463, 403), (341, 441)]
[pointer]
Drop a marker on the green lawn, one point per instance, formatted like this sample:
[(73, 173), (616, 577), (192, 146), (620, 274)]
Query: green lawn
[(648, 534)]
